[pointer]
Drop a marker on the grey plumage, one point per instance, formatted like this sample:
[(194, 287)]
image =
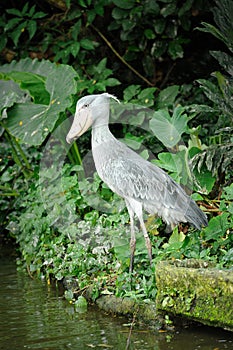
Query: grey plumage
[(139, 182)]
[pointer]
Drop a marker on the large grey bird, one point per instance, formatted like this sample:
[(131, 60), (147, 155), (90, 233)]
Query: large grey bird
[(139, 182)]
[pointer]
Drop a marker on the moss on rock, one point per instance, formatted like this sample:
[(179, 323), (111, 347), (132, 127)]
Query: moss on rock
[(190, 289), (142, 311), (145, 312)]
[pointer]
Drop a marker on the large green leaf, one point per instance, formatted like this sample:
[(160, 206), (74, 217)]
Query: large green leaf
[(166, 97), (169, 129), (228, 192), (175, 163), (204, 179), (32, 122), (33, 83), (225, 60), (43, 67), (217, 227), (10, 94)]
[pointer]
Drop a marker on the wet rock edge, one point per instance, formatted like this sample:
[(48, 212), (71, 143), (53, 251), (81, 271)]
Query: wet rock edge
[(189, 292)]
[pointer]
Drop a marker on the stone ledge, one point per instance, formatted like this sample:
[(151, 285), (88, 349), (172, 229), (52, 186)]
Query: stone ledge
[(194, 290)]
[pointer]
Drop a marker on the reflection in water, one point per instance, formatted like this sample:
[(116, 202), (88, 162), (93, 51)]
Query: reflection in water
[(34, 316)]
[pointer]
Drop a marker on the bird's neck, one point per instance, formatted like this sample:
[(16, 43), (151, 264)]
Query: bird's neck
[(101, 133)]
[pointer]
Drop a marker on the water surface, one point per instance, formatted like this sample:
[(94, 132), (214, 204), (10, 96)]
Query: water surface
[(34, 315)]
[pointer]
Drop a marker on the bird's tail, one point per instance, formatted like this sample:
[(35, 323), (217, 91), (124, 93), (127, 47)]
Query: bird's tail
[(195, 216)]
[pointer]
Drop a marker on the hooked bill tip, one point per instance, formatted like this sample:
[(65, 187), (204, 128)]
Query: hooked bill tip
[(69, 139)]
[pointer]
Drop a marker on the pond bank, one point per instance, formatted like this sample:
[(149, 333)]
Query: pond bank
[(35, 315), (187, 291)]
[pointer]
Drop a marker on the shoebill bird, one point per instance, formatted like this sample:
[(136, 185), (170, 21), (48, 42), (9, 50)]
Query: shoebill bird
[(142, 184)]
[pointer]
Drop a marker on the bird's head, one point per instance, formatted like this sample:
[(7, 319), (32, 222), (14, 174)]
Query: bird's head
[(88, 109)]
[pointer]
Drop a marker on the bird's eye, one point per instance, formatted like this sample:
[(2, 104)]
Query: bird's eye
[(86, 105)]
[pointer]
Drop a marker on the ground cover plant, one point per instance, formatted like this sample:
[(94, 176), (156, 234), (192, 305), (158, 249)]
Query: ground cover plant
[(48, 206)]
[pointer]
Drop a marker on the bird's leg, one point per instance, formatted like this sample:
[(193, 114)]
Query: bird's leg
[(147, 238), (132, 243), (133, 238)]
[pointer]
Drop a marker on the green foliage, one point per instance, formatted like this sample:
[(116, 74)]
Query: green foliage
[(167, 97), (177, 166), (51, 211), (182, 159), (49, 89), (36, 97), (54, 238), (24, 20), (220, 92), (169, 129), (222, 18), (143, 97), (101, 78), (80, 304), (151, 29), (142, 32), (59, 235), (218, 157), (218, 236)]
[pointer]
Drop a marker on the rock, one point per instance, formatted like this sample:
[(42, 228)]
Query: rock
[(194, 290)]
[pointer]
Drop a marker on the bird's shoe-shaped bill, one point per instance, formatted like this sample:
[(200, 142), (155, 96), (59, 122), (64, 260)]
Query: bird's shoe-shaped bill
[(83, 118), (82, 122)]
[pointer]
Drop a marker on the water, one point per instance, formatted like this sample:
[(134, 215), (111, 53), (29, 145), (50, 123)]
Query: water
[(34, 315)]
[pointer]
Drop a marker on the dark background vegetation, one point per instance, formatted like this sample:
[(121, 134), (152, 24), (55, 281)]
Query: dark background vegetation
[(159, 39)]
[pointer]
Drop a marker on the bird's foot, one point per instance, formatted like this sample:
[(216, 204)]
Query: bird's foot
[(149, 248)]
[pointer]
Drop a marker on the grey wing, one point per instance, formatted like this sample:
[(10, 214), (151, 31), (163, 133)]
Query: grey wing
[(140, 180), (150, 185)]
